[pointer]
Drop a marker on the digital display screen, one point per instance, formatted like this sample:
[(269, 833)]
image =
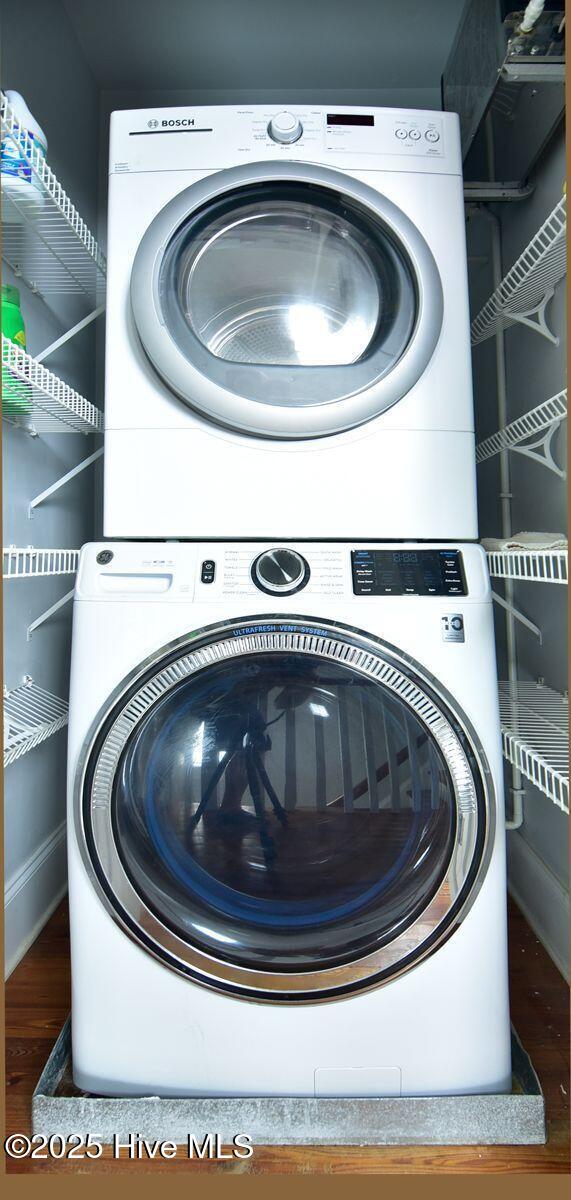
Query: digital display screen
[(407, 573), (350, 119)]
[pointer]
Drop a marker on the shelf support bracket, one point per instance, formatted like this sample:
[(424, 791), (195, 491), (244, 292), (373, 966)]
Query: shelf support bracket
[(519, 616), (538, 311), (49, 612), (540, 450), (59, 483), (516, 819), (53, 346)]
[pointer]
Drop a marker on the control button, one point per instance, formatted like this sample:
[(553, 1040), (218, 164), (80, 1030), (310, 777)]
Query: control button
[(414, 135), (208, 571), (285, 128), (280, 571), (401, 133), (104, 557), (454, 591), (432, 135)]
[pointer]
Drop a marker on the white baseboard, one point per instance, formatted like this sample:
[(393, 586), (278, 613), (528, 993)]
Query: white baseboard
[(542, 899), (31, 896)]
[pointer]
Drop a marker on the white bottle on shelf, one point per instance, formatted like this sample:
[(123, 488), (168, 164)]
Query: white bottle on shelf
[(19, 182)]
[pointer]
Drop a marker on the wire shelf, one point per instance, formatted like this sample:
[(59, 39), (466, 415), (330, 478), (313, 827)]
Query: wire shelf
[(539, 425), (534, 722), (525, 291), (31, 715), (540, 566), (19, 563), (34, 398), (45, 240)]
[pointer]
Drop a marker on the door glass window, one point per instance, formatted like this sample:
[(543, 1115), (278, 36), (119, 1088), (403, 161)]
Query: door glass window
[(283, 811), (288, 277)]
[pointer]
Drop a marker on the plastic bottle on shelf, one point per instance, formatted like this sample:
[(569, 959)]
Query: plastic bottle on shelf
[(19, 181), (15, 393)]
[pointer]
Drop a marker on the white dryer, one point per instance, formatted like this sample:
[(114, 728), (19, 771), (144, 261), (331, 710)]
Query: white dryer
[(287, 326), (286, 839)]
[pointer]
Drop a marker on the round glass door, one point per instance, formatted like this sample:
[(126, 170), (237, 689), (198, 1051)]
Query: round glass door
[(288, 302), (287, 277), (284, 814)]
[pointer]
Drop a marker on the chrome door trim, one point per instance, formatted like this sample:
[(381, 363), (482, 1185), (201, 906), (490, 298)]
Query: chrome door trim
[(365, 654), (219, 402)]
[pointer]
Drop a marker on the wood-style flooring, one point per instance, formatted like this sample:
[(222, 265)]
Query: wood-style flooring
[(38, 1000)]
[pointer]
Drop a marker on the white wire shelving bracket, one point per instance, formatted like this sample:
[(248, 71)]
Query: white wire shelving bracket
[(28, 563), (518, 615), (49, 612), (539, 424), (45, 241), (37, 400), (31, 715), (524, 293), (534, 721), (538, 566), (70, 333), (63, 479)]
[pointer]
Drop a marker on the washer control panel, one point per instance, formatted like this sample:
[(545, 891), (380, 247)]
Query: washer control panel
[(408, 573), (244, 575)]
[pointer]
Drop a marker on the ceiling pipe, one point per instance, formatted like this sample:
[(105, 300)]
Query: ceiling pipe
[(532, 13)]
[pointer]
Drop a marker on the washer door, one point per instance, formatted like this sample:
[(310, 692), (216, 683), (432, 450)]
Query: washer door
[(284, 811), (286, 301)]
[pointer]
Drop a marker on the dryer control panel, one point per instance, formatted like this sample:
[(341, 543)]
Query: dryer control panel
[(408, 572), (211, 138)]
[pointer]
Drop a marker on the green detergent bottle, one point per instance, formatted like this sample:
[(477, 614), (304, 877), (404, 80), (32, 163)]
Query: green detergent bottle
[(15, 393)]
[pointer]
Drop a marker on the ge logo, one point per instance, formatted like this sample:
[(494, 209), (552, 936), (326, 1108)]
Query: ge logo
[(152, 124)]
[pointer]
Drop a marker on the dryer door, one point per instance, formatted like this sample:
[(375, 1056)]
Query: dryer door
[(287, 301), (286, 811)]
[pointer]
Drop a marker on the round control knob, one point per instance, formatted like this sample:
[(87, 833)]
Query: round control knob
[(285, 128), (280, 572)]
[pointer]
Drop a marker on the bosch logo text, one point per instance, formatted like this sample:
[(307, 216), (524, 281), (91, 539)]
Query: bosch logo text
[(176, 121)]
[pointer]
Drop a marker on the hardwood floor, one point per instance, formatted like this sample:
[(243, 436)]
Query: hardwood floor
[(38, 999)]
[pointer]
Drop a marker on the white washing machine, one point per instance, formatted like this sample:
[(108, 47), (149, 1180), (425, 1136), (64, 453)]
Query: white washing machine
[(286, 839), (287, 326)]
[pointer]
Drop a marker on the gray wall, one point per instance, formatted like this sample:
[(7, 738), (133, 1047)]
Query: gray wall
[(34, 803), (536, 370)]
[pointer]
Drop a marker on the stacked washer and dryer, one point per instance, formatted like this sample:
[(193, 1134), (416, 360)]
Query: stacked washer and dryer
[(286, 841)]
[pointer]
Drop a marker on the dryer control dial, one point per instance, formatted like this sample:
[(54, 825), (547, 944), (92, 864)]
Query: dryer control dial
[(280, 572), (285, 127)]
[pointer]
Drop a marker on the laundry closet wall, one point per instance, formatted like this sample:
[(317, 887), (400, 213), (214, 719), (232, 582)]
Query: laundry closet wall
[(536, 370), (42, 59)]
